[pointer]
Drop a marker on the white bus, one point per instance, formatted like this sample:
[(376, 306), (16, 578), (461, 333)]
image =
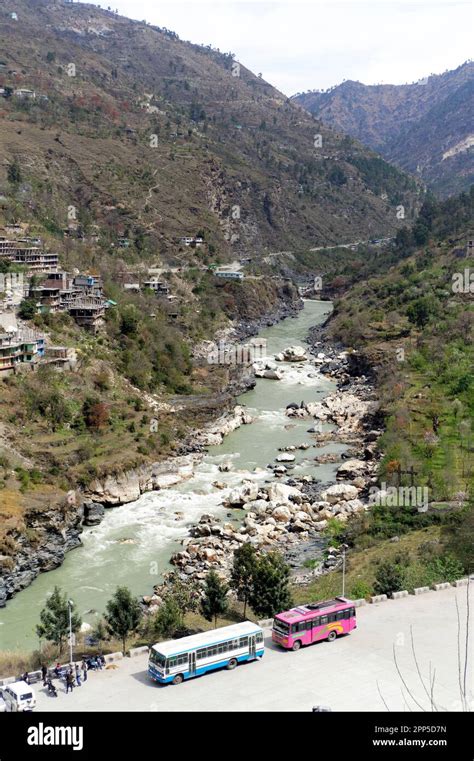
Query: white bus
[(183, 658)]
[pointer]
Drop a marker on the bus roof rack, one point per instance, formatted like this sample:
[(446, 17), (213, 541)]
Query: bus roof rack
[(325, 603)]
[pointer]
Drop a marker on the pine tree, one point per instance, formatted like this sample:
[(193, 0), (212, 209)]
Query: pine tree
[(14, 172), (215, 602), (123, 615), (243, 570), (270, 592), (54, 619), (167, 621)]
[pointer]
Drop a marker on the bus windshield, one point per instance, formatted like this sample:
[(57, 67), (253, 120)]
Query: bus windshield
[(281, 626), (157, 658)]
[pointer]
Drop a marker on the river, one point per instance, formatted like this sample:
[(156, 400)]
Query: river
[(134, 542)]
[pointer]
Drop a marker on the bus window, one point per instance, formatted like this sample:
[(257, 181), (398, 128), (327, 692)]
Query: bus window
[(324, 620), (341, 614)]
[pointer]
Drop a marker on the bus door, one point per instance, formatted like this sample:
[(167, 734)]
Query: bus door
[(252, 647), (192, 663)]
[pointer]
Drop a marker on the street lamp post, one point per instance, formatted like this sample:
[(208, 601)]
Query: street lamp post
[(70, 606), (344, 548)]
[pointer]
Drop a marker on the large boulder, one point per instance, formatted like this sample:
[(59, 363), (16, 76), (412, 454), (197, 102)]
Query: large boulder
[(292, 354), (93, 513), (354, 505), (259, 506), (285, 457), (246, 493), (268, 371), (281, 514), (339, 492), (351, 469), (282, 493)]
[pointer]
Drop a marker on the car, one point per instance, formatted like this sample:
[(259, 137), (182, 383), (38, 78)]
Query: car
[(3, 705), (19, 697)]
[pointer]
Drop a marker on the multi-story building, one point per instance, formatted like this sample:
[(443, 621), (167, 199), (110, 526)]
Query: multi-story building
[(88, 312), (36, 259), (7, 249), (24, 346)]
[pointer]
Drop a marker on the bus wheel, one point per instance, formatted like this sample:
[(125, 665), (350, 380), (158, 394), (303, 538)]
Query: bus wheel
[(332, 636), (296, 645), (232, 664), (178, 679)]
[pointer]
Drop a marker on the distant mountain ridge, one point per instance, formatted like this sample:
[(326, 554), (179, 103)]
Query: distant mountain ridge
[(425, 128), (143, 132)]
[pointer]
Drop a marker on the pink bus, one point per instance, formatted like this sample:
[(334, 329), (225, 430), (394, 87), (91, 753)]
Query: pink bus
[(313, 622)]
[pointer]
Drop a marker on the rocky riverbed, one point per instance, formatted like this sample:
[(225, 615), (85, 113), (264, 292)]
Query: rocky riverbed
[(290, 514)]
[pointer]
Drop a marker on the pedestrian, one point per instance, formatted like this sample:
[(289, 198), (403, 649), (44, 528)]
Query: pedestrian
[(69, 682), (78, 675), (84, 670), (57, 670), (26, 677), (44, 673), (99, 662)]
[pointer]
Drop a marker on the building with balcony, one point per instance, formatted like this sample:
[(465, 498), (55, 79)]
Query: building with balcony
[(23, 347)]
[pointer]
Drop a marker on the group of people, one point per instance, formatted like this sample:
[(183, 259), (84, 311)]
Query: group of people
[(74, 675)]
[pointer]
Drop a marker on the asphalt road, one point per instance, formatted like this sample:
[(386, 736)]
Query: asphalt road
[(355, 673)]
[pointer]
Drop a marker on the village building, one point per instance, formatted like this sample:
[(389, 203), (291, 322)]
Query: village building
[(19, 348), (35, 259), (60, 357), (159, 287), (189, 241), (88, 312), (24, 94)]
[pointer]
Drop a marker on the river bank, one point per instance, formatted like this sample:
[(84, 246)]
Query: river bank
[(132, 544)]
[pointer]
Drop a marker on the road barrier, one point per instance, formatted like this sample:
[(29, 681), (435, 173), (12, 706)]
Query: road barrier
[(8, 680), (138, 651), (113, 657), (461, 583), (360, 602), (420, 590), (265, 622), (378, 598), (443, 585), (401, 593)]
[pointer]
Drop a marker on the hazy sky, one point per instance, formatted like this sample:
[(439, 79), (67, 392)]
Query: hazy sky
[(305, 44)]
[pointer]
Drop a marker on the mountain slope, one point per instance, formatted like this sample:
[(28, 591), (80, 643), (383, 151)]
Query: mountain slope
[(158, 135), (414, 324), (424, 128)]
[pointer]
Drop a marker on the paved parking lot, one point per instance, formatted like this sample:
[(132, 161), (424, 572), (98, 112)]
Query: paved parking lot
[(355, 673)]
